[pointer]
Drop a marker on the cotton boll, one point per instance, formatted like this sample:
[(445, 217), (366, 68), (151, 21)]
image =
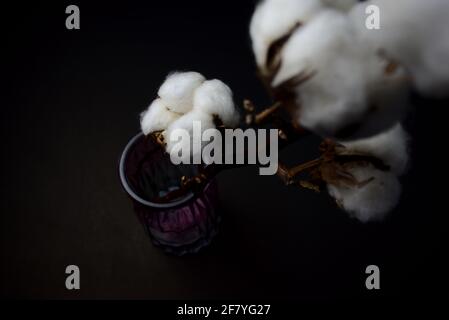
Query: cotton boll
[(371, 201), (330, 102), (274, 19), (414, 33), (215, 98), (327, 36), (177, 90), (353, 99), (186, 122), (335, 94), (389, 146), (349, 94), (156, 118), (378, 190)]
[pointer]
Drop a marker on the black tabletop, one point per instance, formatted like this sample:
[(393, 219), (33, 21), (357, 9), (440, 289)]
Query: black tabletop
[(73, 101)]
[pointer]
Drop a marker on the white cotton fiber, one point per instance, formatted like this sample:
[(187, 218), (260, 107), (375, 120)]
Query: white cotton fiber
[(186, 122), (156, 118), (348, 88), (415, 33), (379, 190), (215, 98), (389, 146), (373, 200), (327, 36), (344, 5), (331, 97), (274, 19), (178, 89)]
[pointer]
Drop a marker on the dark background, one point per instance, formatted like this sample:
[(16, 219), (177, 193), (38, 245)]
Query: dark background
[(73, 99)]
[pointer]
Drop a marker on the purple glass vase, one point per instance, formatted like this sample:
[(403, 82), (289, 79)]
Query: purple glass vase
[(184, 224)]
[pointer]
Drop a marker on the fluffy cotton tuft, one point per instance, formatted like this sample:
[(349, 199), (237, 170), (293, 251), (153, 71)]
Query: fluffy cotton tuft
[(361, 77), (274, 19), (215, 98), (349, 94), (186, 122), (178, 89), (415, 33), (156, 118), (372, 201), (207, 101), (389, 146), (379, 190), (329, 97)]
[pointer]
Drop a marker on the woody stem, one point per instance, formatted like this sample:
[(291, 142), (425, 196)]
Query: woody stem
[(263, 115), (304, 166), (287, 175)]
